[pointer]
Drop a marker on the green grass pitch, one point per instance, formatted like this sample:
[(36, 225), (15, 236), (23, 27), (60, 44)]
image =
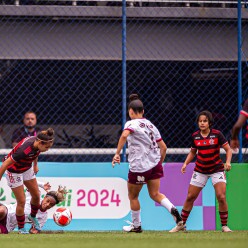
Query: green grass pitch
[(156, 239)]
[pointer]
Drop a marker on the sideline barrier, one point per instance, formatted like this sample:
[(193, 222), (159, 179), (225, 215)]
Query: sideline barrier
[(237, 187), (98, 197)]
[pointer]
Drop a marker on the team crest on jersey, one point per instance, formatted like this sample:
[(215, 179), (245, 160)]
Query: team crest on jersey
[(211, 141), (150, 126)]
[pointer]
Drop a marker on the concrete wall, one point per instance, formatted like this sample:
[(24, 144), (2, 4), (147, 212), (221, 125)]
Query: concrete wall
[(47, 36)]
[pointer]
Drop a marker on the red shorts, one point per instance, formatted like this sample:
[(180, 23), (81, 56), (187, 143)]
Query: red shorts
[(142, 177), (3, 222)]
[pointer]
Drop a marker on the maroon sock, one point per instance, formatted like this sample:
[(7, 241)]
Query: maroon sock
[(223, 218), (20, 221), (34, 210), (185, 215)]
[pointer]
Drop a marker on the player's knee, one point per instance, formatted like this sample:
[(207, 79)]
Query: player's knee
[(191, 197), (221, 198), (3, 212), (154, 195), (21, 203), (133, 196)]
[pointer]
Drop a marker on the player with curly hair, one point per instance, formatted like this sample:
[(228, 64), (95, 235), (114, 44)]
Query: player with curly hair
[(8, 221)]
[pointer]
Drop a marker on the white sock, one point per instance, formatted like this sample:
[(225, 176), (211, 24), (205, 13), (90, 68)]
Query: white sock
[(167, 204), (136, 218)]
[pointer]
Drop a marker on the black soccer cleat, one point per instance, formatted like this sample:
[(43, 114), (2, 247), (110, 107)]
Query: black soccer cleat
[(176, 215)]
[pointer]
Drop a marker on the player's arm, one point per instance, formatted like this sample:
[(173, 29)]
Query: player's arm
[(4, 166), (163, 149), (235, 131), (42, 222), (189, 158), (46, 186), (35, 166), (228, 150), (121, 143)]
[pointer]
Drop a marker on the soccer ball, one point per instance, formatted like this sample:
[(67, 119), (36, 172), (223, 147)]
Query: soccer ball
[(62, 216)]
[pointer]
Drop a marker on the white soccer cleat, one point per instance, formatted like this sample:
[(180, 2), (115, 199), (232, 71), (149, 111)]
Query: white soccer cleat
[(179, 227), (226, 229), (132, 228)]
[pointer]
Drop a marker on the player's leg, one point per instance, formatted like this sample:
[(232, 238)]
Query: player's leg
[(33, 188), (219, 182), (153, 184), (3, 211), (153, 189), (198, 181), (15, 182), (20, 205), (3, 219), (133, 195)]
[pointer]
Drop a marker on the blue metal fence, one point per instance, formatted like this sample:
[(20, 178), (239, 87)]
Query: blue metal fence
[(74, 64)]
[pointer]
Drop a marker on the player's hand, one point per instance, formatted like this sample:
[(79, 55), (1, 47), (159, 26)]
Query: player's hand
[(234, 144), (183, 169), (47, 186), (36, 169), (32, 230), (227, 167), (116, 159)]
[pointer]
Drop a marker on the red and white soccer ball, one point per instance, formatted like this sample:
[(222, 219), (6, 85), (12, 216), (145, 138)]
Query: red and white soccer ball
[(62, 216)]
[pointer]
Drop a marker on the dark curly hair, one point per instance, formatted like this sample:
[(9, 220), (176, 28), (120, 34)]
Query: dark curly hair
[(208, 115)]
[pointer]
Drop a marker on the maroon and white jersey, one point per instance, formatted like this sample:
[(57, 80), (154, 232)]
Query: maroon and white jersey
[(11, 217), (22, 155), (244, 112), (143, 150), (208, 159)]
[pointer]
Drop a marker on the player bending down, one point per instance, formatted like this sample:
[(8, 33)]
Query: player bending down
[(8, 221), (20, 167)]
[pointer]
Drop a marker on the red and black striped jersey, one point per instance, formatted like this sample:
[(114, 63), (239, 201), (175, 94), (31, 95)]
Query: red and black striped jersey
[(208, 159), (22, 155)]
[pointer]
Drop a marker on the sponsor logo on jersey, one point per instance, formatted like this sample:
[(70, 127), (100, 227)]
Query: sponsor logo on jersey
[(140, 178)]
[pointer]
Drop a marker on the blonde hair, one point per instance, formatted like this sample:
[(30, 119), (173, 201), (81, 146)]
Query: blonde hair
[(58, 195)]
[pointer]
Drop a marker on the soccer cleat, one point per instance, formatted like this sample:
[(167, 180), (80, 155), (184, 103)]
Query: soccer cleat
[(132, 228), (179, 227), (226, 229), (35, 222), (23, 231), (176, 215)]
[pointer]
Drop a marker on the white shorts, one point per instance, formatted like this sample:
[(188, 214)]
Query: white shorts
[(16, 179), (199, 180)]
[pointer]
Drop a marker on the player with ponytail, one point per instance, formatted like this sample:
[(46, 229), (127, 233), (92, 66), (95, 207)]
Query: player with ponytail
[(20, 167)]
